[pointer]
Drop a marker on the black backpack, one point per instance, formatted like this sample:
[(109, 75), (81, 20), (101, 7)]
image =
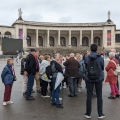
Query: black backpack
[(49, 72), (93, 69)]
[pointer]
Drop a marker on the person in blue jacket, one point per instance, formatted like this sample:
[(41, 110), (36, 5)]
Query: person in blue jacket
[(7, 78)]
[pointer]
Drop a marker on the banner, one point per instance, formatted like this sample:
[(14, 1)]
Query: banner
[(20, 33), (108, 37)]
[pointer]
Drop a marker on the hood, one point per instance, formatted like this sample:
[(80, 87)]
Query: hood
[(94, 55), (45, 63)]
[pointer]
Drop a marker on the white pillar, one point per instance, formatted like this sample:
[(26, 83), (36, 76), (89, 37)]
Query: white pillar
[(91, 36), (58, 37), (69, 37), (37, 38), (48, 44), (80, 37), (24, 37)]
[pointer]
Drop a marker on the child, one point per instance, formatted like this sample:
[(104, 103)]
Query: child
[(7, 76)]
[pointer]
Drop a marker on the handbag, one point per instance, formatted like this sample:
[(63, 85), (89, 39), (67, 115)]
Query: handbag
[(117, 70), (14, 78)]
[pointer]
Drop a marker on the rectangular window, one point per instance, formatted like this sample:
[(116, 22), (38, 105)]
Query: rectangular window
[(117, 38)]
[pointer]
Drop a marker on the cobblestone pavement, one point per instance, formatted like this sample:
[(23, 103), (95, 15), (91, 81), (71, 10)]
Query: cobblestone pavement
[(40, 109)]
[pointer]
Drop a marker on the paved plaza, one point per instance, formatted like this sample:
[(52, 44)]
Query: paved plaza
[(40, 108)]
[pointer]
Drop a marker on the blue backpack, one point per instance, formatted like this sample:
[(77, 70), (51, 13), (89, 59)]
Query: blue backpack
[(82, 68)]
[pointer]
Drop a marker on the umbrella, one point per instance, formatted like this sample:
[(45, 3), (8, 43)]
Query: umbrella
[(59, 79)]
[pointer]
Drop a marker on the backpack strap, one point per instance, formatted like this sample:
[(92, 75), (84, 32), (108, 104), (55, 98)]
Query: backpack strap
[(114, 62)]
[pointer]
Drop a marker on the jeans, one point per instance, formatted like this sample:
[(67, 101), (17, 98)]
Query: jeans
[(72, 83), (55, 93), (90, 87), (30, 85)]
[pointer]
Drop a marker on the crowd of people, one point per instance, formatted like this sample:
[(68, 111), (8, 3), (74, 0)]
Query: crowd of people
[(75, 68)]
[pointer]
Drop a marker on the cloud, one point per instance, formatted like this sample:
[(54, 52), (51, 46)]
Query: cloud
[(80, 11)]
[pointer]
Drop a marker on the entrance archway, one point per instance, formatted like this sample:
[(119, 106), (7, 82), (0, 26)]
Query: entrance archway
[(29, 41), (85, 41), (51, 41), (40, 41), (62, 41), (97, 40), (7, 34), (74, 41)]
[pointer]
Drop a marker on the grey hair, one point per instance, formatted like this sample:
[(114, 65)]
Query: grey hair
[(112, 54), (72, 55), (113, 50), (56, 55)]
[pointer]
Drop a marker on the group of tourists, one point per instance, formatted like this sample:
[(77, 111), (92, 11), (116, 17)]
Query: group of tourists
[(74, 68)]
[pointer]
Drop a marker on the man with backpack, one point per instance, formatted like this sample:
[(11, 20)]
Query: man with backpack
[(94, 77)]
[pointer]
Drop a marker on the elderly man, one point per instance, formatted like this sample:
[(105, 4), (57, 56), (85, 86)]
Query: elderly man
[(72, 73)]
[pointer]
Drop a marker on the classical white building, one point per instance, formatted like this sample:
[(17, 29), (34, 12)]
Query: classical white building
[(47, 34)]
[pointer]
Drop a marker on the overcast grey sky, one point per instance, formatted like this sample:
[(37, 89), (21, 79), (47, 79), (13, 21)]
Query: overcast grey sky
[(72, 11)]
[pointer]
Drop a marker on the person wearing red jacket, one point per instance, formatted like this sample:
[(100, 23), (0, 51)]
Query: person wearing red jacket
[(111, 77)]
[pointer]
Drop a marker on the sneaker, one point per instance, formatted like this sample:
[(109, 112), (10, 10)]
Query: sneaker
[(4, 103), (59, 106), (101, 116), (87, 116), (111, 97), (46, 96), (10, 102)]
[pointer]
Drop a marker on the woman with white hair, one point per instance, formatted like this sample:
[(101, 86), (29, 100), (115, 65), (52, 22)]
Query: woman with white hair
[(111, 77)]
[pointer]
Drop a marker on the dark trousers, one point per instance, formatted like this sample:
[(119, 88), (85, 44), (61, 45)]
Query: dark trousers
[(55, 92), (72, 83), (7, 93), (30, 85), (44, 88), (90, 87)]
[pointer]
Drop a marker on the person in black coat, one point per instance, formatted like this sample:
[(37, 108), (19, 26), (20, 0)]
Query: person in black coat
[(31, 67)]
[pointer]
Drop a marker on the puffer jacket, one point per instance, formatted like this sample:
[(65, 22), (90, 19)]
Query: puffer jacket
[(42, 70), (7, 75)]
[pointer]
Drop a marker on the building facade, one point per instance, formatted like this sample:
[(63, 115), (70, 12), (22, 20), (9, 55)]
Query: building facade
[(45, 35)]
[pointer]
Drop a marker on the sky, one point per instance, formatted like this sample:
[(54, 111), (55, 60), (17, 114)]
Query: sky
[(64, 11)]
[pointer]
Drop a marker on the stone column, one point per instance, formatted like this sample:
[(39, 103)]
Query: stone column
[(37, 38), (91, 36), (48, 44), (24, 37), (69, 38), (80, 37), (58, 37)]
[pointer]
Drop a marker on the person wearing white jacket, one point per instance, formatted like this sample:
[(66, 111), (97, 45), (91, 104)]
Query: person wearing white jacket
[(45, 63)]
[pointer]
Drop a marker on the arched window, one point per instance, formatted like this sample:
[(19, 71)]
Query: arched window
[(74, 41), (51, 41), (97, 40), (62, 41), (7, 34), (85, 41), (29, 41), (40, 41)]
